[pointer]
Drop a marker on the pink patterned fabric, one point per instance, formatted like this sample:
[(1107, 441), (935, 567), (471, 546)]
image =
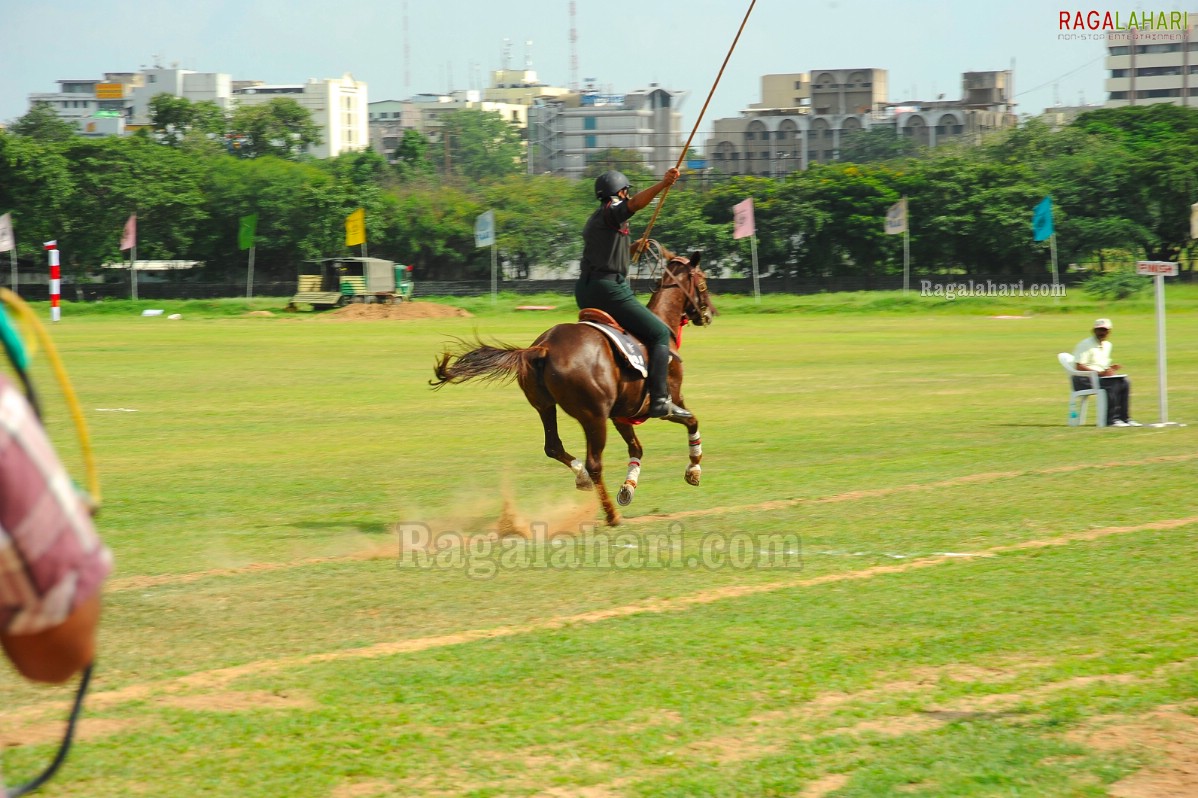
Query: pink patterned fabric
[(51, 559)]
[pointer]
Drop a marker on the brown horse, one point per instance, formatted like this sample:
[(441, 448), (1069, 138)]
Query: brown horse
[(573, 365)]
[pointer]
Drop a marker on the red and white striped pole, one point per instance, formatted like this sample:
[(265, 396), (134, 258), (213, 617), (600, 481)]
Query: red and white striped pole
[(55, 279)]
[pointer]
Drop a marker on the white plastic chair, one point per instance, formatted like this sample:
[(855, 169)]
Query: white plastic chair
[(1077, 399)]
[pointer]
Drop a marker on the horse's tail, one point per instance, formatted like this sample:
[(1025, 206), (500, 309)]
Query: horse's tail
[(491, 363)]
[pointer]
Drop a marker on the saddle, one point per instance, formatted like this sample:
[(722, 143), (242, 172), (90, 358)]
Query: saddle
[(623, 343)]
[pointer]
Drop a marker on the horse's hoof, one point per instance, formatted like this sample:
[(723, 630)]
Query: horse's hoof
[(614, 519), (693, 474), (624, 497), (583, 482)]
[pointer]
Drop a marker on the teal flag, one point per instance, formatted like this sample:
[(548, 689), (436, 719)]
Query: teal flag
[(1042, 220), (246, 231)]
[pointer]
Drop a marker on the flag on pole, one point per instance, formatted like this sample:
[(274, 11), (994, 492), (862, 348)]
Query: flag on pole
[(1042, 220), (355, 228), (484, 230), (246, 231), (896, 218), (1193, 223), (129, 236), (7, 240), (743, 224)]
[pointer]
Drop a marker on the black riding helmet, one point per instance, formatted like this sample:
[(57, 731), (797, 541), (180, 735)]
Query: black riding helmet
[(611, 183)]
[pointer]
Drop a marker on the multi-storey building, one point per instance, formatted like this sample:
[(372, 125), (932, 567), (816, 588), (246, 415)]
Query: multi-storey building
[(1153, 66), (566, 132), (197, 87), (98, 107), (121, 102), (805, 119), (338, 107)]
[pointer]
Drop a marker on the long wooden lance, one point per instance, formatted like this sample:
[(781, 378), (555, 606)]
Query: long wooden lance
[(642, 243)]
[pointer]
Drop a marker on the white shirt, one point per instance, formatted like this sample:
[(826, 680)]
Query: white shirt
[(1093, 354)]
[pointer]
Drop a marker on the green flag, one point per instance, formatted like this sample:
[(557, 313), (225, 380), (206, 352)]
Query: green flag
[(245, 233)]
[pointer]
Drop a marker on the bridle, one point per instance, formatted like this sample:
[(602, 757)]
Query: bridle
[(694, 289)]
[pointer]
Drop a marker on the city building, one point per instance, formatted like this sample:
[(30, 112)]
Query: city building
[(1153, 66), (338, 107), (805, 119), (196, 87), (97, 107), (567, 131), (120, 103)]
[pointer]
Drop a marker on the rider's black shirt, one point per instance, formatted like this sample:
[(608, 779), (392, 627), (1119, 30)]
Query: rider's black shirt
[(605, 240)]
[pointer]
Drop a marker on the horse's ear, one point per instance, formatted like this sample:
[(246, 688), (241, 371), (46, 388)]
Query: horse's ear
[(696, 256)]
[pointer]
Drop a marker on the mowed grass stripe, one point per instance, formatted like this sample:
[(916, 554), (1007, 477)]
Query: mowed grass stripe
[(119, 584), (221, 677)]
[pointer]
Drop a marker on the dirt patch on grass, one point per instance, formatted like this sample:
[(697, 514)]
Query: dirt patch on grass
[(1167, 736), (234, 701), (401, 311), (362, 789), (821, 787), (50, 733)]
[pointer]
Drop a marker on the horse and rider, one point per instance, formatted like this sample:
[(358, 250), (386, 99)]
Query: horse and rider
[(583, 368)]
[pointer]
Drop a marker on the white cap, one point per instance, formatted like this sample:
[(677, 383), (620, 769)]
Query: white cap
[(1103, 323)]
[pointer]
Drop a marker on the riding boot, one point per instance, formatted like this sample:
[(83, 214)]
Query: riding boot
[(660, 405)]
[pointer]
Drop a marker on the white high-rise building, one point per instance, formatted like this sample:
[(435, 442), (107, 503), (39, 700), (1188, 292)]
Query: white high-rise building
[(1155, 65), (338, 107), (213, 87)]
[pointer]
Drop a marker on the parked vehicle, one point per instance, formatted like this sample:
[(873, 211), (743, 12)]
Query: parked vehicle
[(333, 282)]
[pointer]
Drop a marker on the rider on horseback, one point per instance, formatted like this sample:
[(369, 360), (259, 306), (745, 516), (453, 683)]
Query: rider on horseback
[(603, 283)]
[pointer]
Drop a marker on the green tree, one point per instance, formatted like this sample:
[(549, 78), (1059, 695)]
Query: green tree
[(876, 144), (173, 119), (42, 124), (539, 221), (482, 146), (281, 127), (115, 177), (411, 157)]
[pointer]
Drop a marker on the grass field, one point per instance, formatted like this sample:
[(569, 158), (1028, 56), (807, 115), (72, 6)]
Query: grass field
[(903, 574)]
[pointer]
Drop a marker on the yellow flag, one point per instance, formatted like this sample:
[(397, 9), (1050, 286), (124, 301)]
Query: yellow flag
[(355, 228)]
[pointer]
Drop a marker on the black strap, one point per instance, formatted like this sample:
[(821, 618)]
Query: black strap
[(63, 748)]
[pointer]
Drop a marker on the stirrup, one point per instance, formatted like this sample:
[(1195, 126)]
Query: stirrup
[(664, 408)]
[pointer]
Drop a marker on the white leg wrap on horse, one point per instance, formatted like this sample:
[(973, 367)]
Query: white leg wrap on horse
[(582, 480), (634, 471), (696, 444)]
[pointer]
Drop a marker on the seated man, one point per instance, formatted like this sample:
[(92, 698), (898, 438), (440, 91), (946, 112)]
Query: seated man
[(1094, 354)]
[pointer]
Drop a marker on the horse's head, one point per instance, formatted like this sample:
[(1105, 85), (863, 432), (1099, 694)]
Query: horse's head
[(685, 274)]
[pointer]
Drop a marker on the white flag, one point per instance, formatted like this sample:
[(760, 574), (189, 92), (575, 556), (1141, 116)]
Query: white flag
[(1193, 225), (896, 218), (7, 240), (484, 230)]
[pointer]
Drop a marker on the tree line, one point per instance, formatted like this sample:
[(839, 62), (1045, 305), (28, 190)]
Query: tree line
[(1122, 181)]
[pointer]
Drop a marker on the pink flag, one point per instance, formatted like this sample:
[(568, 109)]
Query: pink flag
[(742, 215), (129, 237)]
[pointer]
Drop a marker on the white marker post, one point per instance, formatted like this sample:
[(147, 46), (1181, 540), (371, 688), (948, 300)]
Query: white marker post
[(1160, 269)]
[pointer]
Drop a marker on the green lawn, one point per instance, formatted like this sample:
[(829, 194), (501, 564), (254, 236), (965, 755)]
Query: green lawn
[(263, 637)]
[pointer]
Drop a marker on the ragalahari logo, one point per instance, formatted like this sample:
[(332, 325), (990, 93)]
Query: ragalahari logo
[(1119, 21)]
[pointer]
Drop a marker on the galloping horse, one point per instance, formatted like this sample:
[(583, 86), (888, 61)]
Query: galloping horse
[(573, 365)]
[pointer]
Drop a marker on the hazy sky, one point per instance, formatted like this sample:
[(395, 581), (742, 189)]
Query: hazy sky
[(679, 44)]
